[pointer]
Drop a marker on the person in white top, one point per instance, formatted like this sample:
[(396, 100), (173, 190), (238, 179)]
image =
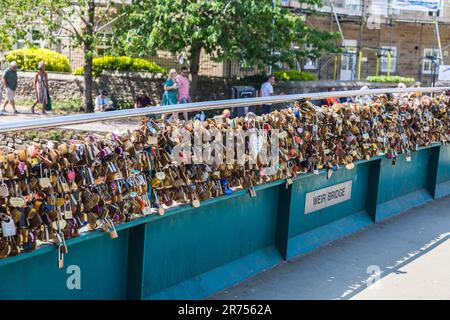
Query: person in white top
[(267, 91), (102, 102)]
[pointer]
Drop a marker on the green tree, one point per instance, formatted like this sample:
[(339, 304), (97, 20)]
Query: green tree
[(249, 31), (81, 20)]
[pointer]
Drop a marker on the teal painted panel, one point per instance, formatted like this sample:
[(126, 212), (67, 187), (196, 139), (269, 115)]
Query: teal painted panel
[(311, 240), (103, 269), (301, 223), (222, 277), (401, 204), (403, 177), (444, 165), (442, 189), (192, 241)]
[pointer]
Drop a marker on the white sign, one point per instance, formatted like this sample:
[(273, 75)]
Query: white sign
[(327, 197), (444, 73), (416, 5)]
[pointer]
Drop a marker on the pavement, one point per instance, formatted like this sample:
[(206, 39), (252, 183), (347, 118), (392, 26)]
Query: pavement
[(406, 257), (100, 126)]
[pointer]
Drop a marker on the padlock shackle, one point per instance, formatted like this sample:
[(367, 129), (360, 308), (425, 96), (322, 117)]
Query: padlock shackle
[(53, 122)]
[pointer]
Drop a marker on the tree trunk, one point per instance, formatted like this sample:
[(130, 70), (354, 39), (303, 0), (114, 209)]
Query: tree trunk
[(88, 81), (194, 60), (88, 34)]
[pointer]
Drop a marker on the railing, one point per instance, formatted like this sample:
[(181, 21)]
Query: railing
[(198, 106)]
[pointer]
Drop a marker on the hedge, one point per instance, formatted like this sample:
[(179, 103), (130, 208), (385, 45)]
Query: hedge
[(28, 59), (394, 79), (294, 75), (121, 63)]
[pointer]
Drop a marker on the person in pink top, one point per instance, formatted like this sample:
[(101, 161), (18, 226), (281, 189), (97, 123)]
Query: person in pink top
[(183, 89)]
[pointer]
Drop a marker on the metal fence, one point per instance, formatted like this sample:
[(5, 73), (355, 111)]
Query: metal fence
[(198, 106)]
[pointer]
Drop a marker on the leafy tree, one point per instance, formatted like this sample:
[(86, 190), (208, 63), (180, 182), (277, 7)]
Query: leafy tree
[(81, 20), (249, 31)]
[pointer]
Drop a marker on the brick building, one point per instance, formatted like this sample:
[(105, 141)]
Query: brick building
[(376, 27)]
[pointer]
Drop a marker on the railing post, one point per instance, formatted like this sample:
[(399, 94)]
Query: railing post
[(372, 189), (283, 218), (135, 271), (433, 167)]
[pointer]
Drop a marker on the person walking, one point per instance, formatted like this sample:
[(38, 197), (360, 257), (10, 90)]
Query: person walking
[(41, 87), (170, 91), (10, 84), (183, 89), (267, 91)]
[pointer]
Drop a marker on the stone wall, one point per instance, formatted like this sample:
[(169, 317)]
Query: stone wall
[(123, 87)]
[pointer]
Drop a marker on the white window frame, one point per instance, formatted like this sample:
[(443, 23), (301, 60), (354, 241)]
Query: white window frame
[(440, 10), (310, 63), (384, 59), (39, 43), (428, 62), (353, 5)]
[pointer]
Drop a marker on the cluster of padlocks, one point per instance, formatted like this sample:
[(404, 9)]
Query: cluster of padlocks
[(53, 192)]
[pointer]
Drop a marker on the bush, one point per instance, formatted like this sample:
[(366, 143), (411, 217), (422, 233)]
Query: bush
[(394, 79), (121, 63), (28, 59), (294, 75)]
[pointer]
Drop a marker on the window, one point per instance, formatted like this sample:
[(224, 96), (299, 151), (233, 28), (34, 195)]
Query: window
[(104, 39), (427, 64), (423, 7), (384, 59), (439, 10), (310, 62), (353, 5), (34, 38)]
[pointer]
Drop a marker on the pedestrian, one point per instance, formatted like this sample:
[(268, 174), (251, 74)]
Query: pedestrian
[(103, 103), (226, 114), (170, 91), (332, 100), (267, 91), (224, 117), (401, 85), (345, 99), (41, 87), (142, 100), (1, 92), (183, 90), (365, 98), (10, 84)]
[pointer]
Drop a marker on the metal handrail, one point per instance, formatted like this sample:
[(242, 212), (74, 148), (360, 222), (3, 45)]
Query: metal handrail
[(197, 106)]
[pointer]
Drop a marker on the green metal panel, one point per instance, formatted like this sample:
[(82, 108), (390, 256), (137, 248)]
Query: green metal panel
[(443, 174), (308, 231), (186, 246), (102, 263), (405, 184), (305, 222), (403, 177), (444, 165)]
